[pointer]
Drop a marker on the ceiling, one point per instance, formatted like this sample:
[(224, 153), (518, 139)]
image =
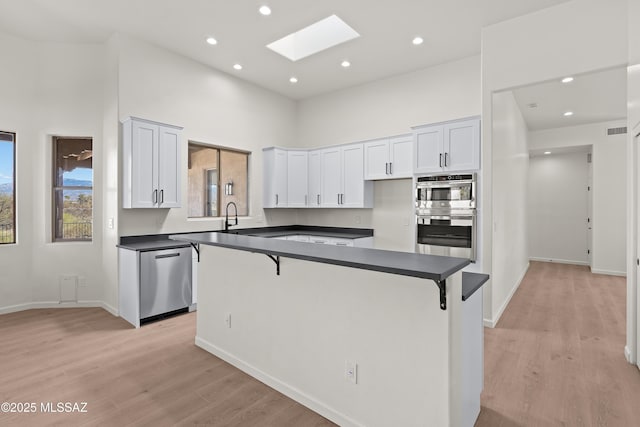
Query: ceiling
[(594, 97), (450, 29)]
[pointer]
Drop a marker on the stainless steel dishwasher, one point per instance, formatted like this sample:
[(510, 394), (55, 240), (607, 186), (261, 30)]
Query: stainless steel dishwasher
[(165, 281)]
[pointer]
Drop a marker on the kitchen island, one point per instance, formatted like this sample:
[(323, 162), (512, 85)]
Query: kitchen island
[(361, 336)]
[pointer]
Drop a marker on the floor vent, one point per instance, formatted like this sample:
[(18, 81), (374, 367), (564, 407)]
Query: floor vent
[(617, 131)]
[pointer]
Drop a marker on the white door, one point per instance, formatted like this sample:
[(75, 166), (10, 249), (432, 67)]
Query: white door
[(401, 156), (376, 159), (637, 142), (169, 168), (144, 168), (297, 176), (315, 177), (280, 178), (428, 149), (590, 211), (331, 177), (352, 176), (462, 145)]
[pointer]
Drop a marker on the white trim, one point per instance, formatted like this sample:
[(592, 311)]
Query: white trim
[(284, 388), (558, 261), (609, 272), (55, 304), (627, 355), (491, 323)]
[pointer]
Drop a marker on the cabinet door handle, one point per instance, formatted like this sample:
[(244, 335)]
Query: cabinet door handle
[(305, 200), (386, 168), (390, 168), (440, 159), (340, 244), (167, 255), (276, 200), (341, 199), (318, 199), (446, 155), (338, 198), (155, 196), (161, 196)]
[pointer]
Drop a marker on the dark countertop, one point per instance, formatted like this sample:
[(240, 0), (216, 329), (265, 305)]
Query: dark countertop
[(471, 282), (309, 230), (150, 243), (161, 241), (403, 263)]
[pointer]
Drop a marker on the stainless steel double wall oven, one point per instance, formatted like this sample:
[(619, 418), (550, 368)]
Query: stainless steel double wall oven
[(446, 215)]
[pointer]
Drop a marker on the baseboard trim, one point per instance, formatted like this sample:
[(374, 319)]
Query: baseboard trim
[(56, 304), (491, 323), (558, 261), (627, 355), (284, 388), (609, 272)]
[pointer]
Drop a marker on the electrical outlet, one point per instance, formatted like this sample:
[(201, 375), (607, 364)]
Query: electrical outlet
[(82, 282), (110, 223), (351, 371), (227, 320), (358, 219)]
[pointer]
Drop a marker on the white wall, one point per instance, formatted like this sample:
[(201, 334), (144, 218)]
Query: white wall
[(383, 108), (609, 188), (510, 171), (558, 208), (213, 107), (49, 89), (534, 48)]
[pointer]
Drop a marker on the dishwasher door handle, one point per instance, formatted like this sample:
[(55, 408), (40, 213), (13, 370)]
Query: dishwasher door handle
[(167, 255)]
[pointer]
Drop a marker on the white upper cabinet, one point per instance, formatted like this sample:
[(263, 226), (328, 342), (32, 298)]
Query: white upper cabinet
[(297, 178), (151, 164), (343, 184), (324, 178), (331, 177), (450, 147), (353, 184), (275, 178), (388, 158), (315, 178)]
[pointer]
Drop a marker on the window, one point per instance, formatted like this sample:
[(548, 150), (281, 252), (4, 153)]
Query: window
[(217, 176), (7, 187), (72, 189)]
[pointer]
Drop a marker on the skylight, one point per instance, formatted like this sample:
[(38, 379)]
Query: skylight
[(315, 38)]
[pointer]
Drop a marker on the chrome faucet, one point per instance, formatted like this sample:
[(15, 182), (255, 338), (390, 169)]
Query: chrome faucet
[(226, 216)]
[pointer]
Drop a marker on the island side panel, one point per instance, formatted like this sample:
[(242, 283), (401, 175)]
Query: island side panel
[(296, 331)]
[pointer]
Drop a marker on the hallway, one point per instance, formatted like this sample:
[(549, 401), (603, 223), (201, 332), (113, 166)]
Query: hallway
[(557, 355)]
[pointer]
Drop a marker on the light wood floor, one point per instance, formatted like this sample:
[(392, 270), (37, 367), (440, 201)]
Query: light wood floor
[(556, 358), (153, 376)]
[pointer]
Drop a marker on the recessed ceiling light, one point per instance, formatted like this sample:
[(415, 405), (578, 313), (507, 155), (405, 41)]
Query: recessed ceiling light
[(321, 35), (547, 152), (265, 10), (346, 64), (212, 41), (237, 67), (567, 80), (417, 40), (568, 113), (293, 80)]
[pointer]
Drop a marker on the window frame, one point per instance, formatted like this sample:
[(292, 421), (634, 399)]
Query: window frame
[(54, 188), (13, 195), (221, 148)]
